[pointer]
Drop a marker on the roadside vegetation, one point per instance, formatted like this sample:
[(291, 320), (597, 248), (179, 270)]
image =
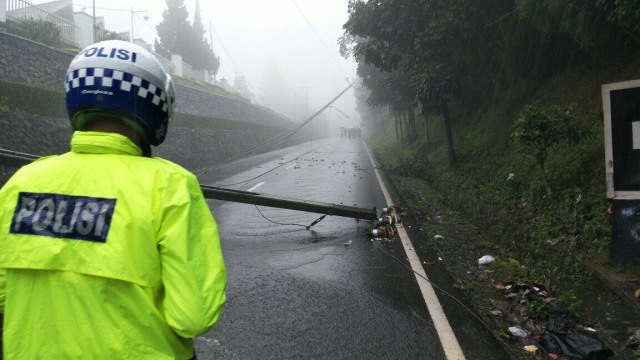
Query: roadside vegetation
[(494, 199), (498, 107), (488, 116)]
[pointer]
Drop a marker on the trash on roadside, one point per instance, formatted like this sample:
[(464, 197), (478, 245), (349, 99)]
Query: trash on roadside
[(511, 176), (633, 343), (575, 344), (348, 243), (531, 348), (518, 332), (439, 237), (487, 259)]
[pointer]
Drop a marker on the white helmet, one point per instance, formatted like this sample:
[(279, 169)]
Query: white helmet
[(119, 76)]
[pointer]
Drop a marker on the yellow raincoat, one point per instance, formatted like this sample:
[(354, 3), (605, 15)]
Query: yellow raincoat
[(105, 254)]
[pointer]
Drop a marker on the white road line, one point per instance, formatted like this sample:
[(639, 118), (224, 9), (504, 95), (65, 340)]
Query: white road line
[(256, 186), (448, 339)]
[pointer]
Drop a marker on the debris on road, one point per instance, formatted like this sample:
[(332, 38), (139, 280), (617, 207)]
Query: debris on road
[(548, 324)]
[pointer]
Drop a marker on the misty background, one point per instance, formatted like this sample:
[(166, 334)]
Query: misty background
[(286, 51)]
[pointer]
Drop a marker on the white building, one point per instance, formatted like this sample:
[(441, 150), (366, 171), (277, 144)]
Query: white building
[(85, 35), (3, 10)]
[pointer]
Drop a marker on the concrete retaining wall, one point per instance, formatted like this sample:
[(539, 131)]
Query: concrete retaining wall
[(22, 60), (25, 61)]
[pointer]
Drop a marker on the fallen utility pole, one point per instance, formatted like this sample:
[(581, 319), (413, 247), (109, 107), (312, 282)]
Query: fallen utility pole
[(247, 197), (17, 159)]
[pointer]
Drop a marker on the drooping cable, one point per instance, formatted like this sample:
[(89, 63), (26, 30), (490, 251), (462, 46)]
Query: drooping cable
[(277, 138)]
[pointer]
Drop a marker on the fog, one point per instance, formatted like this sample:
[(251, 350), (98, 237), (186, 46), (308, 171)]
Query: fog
[(286, 49)]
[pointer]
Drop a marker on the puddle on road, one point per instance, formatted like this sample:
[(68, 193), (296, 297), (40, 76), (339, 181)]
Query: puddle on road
[(319, 262)]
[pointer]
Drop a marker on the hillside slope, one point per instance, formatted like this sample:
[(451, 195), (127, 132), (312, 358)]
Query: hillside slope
[(492, 201)]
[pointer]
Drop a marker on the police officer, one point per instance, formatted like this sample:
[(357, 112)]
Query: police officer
[(105, 252)]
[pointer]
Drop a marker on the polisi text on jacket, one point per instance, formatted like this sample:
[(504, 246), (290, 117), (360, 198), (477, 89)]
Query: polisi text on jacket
[(63, 216)]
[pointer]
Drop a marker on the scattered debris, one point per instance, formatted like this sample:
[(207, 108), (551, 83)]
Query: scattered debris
[(348, 243), (558, 336), (633, 342), (574, 343), (485, 260), (438, 237), (511, 176), (518, 332)]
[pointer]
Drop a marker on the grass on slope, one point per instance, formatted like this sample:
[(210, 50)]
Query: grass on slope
[(498, 187)]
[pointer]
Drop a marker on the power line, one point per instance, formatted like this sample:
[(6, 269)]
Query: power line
[(235, 66), (319, 38)]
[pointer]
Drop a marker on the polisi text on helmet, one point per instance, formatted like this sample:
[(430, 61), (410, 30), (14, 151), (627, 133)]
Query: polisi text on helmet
[(111, 53)]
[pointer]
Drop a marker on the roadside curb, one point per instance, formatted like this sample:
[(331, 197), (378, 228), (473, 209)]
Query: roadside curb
[(622, 283)]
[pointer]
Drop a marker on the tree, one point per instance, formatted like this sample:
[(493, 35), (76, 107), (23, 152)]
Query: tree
[(108, 35), (593, 25), (174, 31), (204, 58), (539, 129), (413, 41), (177, 36)]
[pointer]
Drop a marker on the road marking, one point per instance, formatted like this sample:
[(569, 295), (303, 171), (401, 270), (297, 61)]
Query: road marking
[(448, 339), (256, 186), (290, 166)]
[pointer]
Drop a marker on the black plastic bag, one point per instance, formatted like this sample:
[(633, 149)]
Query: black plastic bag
[(574, 344)]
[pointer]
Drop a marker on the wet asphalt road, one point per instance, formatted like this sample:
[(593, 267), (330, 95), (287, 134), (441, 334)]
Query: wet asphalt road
[(327, 292)]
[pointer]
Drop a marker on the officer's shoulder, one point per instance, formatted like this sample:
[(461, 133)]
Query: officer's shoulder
[(168, 164), (40, 161)]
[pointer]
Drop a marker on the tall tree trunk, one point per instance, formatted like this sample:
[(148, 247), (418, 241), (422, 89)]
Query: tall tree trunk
[(426, 128), (447, 132), (401, 122), (412, 123), (426, 123), (545, 179), (407, 129), (395, 116)]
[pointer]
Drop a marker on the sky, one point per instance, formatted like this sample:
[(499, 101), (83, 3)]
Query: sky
[(252, 37)]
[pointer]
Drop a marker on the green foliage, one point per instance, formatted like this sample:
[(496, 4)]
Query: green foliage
[(539, 129), (625, 13), (551, 236), (583, 21), (37, 30), (536, 308)]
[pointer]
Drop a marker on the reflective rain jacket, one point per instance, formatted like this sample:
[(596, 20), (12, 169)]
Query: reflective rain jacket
[(105, 254)]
